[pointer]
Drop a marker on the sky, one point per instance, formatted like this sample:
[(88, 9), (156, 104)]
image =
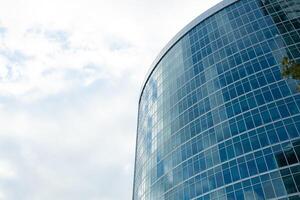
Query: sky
[(70, 77)]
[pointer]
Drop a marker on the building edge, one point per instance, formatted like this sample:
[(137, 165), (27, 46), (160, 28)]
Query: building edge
[(206, 14), (211, 11)]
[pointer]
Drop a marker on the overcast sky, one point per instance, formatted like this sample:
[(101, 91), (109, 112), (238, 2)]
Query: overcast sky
[(70, 76)]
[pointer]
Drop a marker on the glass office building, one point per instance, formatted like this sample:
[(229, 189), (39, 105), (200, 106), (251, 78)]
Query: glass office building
[(216, 119)]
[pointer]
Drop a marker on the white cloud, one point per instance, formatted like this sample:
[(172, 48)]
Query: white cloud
[(6, 170), (70, 75)]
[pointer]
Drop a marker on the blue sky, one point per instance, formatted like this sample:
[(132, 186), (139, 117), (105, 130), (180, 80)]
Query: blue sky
[(70, 77)]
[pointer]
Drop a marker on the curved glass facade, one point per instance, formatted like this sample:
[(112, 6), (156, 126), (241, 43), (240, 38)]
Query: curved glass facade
[(216, 119)]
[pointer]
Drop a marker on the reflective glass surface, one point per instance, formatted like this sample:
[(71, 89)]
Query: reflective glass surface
[(216, 119)]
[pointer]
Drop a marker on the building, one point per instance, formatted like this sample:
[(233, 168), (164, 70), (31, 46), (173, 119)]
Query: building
[(216, 119)]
